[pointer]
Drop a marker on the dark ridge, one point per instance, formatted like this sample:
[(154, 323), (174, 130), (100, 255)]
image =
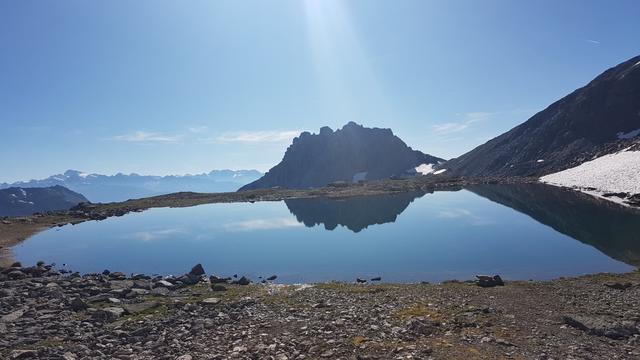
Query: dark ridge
[(560, 135)]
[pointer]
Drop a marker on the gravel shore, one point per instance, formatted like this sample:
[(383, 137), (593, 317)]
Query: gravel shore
[(48, 315)]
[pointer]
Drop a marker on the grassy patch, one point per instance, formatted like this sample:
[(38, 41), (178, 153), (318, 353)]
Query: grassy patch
[(419, 310), (356, 288)]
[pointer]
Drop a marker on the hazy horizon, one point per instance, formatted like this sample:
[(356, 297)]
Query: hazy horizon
[(224, 84)]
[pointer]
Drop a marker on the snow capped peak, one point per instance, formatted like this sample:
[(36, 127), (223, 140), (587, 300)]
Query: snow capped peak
[(72, 173)]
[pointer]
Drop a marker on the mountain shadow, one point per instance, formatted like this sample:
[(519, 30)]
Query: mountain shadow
[(610, 228), (355, 213)]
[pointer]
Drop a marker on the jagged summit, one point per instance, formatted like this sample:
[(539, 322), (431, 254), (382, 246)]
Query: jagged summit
[(351, 153)]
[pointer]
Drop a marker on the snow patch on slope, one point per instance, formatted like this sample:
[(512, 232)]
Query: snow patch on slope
[(425, 169), (613, 173)]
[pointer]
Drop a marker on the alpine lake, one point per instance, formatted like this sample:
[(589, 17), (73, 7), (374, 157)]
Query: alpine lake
[(521, 232)]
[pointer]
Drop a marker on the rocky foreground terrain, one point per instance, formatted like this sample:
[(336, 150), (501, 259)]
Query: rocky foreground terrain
[(48, 315)]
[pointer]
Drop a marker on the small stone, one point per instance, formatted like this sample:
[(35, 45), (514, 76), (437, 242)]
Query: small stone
[(217, 287), (23, 354), (164, 283), (77, 304), (69, 356), (140, 307), (327, 354), (12, 316), (489, 281), (184, 357), (108, 314), (602, 326), (211, 301), (618, 286), (243, 281)]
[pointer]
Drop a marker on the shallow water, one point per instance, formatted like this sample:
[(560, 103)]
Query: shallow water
[(520, 232)]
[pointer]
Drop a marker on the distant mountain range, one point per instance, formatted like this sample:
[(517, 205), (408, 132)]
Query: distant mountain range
[(18, 201), (568, 132), (349, 154), (120, 187)]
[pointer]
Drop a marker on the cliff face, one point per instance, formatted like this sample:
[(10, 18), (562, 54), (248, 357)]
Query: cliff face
[(605, 111), (348, 154)]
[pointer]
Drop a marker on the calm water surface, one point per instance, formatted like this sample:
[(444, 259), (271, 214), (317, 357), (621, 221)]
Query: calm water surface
[(520, 232)]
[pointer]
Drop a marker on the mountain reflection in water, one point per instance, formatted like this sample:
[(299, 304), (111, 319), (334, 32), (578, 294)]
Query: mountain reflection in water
[(609, 227), (355, 213)]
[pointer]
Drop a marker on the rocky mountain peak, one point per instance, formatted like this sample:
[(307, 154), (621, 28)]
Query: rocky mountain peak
[(351, 153)]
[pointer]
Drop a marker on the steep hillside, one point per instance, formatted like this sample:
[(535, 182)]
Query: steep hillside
[(17, 201), (604, 111), (349, 154)]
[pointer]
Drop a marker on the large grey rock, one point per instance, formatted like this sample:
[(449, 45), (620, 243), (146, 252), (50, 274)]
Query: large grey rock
[(140, 307), (197, 270), (603, 326), (108, 314)]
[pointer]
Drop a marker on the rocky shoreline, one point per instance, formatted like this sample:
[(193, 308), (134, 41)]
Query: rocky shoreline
[(48, 315)]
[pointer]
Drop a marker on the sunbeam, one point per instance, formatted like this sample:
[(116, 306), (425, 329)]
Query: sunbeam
[(342, 66)]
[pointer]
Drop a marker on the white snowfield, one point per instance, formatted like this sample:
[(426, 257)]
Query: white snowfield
[(613, 173), (426, 169)]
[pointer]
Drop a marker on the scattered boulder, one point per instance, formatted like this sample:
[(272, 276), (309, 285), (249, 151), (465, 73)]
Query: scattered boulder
[(117, 275), (108, 314), (211, 301), (218, 287), (12, 316), (140, 307), (242, 281), (218, 280), (197, 270), (489, 281), (78, 305), (421, 326), (23, 354), (361, 281), (164, 283), (272, 277), (618, 286), (189, 279), (378, 278), (602, 326)]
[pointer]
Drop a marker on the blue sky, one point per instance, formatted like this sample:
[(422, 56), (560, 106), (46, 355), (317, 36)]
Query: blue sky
[(160, 87)]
